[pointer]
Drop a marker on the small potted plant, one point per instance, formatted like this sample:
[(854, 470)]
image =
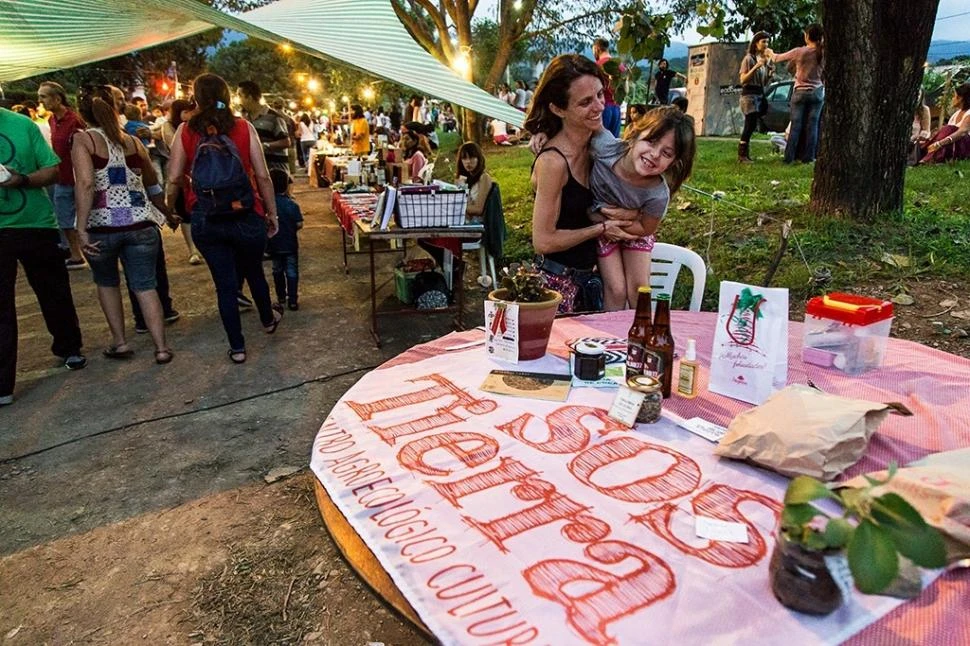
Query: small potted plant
[(538, 304), (872, 530)]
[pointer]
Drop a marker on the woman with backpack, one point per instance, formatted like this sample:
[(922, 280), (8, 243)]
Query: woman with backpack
[(218, 162), (114, 182)]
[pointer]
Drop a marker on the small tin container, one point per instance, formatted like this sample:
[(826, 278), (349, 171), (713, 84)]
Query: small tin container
[(653, 400), (589, 360)]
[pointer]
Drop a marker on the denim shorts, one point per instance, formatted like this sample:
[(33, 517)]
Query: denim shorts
[(137, 250), (64, 206)]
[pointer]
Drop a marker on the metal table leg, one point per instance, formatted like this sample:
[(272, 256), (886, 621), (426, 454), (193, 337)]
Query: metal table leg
[(373, 295)]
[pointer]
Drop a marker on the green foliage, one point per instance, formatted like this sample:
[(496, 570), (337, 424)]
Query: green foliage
[(642, 36), (524, 283), (874, 529), (783, 19), (932, 230)]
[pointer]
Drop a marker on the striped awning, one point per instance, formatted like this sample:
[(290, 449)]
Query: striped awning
[(38, 36)]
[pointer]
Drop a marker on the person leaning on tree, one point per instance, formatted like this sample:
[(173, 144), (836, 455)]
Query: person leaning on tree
[(28, 235)]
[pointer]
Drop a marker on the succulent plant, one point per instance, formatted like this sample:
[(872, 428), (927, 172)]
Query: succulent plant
[(525, 284)]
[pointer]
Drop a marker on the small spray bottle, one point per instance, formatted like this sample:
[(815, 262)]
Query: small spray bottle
[(687, 376)]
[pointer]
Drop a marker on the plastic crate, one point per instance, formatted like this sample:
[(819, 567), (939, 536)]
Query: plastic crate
[(426, 206), (403, 281)]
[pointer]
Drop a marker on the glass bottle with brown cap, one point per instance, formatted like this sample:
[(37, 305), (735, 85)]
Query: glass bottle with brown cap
[(639, 334), (658, 354)]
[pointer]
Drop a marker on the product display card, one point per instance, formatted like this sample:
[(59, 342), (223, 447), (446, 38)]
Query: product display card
[(626, 406), (502, 331), (535, 385), (720, 530)]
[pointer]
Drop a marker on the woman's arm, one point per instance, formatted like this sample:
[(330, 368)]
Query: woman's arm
[(263, 181), (786, 56), (83, 188), (549, 178), (149, 179), (748, 71), (477, 208), (176, 169)]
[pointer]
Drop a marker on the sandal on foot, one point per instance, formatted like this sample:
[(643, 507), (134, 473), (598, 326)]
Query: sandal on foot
[(163, 356), (278, 317), (237, 356), (112, 352)]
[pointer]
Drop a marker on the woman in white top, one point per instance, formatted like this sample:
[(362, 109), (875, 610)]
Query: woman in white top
[(308, 138), (951, 141)]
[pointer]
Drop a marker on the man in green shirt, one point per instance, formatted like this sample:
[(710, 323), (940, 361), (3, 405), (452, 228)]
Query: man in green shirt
[(28, 234)]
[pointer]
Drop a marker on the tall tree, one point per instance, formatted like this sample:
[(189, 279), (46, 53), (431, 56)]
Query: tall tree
[(444, 28), (872, 78)]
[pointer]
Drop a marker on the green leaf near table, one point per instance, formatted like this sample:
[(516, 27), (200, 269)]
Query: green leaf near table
[(872, 558)]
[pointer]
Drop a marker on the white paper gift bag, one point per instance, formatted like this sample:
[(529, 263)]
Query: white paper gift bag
[(749, 360)]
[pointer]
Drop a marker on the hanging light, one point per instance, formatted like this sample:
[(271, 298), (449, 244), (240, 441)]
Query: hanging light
[(368, 93), (313, 85)]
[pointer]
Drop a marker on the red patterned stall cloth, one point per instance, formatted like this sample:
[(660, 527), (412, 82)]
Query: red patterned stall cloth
[(351, 206), (507, 520)]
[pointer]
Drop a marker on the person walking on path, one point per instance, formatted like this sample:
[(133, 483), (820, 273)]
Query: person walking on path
[(284, 247), (115, 182), (271, 129), (755, 74), (169, 313), (808, 96), (64, 122), (28, 235), (229, 226)]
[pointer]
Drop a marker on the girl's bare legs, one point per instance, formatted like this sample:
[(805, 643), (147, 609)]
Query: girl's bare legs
[(614, 282), (636, 265)]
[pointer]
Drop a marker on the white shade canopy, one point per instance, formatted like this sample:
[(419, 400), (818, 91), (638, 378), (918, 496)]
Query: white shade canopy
[(38, 36)]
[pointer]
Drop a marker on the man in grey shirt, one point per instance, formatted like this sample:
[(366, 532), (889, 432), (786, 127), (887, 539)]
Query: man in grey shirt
[(270, 127)]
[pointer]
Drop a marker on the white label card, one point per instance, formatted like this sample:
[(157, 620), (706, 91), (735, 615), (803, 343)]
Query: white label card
[(720, 530), (502, 331), (838, 565), (626, 406), (708, 430)]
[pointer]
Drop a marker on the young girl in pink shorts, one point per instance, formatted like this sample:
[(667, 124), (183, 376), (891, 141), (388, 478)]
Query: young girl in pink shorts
[(640, 171)]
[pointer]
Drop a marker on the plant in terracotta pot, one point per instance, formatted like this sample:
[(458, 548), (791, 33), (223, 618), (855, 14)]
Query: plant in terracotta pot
[(873, 530), (538, 304)]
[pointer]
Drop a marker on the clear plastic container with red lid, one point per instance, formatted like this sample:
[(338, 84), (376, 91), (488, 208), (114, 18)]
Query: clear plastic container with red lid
[(846, 332)]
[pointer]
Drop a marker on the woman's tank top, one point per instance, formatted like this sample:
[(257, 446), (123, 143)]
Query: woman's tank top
[(574, 206)]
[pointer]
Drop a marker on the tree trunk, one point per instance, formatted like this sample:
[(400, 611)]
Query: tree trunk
[(471, 126), (874, 54)]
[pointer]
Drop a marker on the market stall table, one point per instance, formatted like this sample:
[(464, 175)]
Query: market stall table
[(364, 229), (500, 518), (349, 207)]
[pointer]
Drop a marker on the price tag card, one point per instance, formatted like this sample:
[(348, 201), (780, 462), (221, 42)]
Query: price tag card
[(838, 566), (720, 530), (626, 406), (708, 430), (502, 331)]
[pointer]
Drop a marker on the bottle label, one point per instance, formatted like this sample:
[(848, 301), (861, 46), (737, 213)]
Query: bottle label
[(685, 380), (634, 359), (653, 363)]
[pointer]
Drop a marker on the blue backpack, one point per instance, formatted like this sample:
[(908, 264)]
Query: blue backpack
[(219, 179)]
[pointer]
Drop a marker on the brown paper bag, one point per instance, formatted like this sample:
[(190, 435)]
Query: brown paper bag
[(802, 431), (938, 486)]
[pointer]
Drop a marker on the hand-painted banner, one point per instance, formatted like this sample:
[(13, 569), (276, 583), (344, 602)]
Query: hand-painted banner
[(514, 521)]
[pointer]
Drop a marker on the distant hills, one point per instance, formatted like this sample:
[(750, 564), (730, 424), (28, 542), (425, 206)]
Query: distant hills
[(947, 49)]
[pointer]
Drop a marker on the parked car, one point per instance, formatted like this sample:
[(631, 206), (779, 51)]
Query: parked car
[(779, 106)]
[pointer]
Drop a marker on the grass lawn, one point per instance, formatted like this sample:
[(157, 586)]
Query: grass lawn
[(930, 239)]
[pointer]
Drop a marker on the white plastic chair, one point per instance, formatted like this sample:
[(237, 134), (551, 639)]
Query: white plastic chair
[(488, 277), (666, 261), (426, 172)]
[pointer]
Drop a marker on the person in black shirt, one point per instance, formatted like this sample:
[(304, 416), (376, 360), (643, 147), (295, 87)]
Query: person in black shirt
[(663, 78)]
